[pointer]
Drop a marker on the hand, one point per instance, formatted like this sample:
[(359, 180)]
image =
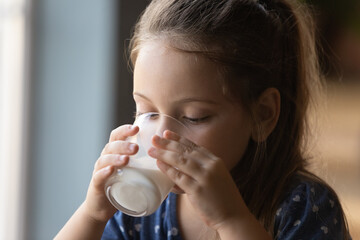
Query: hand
[(202, 176), (115, 155)]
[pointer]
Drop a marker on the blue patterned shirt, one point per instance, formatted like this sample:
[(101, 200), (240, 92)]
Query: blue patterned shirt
[(309, 211)]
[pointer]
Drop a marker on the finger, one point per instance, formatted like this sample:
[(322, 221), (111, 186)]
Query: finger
[(115, 160), (169, 144), (190, 146), (122, 132), (177, 190), (100, 177), (120, 147), (178, 147), (182, 180), (178, 143), (180, 161)]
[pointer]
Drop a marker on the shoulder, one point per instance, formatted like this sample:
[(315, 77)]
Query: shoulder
[(310, 210)]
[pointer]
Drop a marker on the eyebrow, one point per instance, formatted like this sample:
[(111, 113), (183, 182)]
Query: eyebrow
[(184, 100)]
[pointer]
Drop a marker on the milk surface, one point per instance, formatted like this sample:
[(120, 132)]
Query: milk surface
[(141, 189)]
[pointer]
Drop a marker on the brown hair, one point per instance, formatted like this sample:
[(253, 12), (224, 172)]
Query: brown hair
[(258, 44)]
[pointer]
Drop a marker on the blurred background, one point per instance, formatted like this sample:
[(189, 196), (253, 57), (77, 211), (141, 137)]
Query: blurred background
[(65, 84)]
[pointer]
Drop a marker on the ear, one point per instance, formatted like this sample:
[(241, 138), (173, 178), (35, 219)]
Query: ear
[(266, 112)]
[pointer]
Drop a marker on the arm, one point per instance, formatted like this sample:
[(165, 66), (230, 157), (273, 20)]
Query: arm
[(209, 187), (89, 221), (81, 226), (247, 228)]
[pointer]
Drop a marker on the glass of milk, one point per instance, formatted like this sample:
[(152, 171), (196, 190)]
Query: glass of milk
[(139, 188)]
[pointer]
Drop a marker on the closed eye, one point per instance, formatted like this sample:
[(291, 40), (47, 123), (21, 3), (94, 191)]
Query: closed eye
[(196, 120)]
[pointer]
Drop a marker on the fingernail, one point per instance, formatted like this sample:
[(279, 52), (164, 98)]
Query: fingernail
[(151, 150), (107, 169), (156, 138), (121, 159), (131, 147), (169, 133)]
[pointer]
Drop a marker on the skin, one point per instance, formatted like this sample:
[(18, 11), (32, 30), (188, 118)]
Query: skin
[(170, 82), (223, 134)]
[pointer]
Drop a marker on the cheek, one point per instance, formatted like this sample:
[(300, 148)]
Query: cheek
[(229, 144), (234, 150)]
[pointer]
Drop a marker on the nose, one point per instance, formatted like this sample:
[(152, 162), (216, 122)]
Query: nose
[(169, 123)]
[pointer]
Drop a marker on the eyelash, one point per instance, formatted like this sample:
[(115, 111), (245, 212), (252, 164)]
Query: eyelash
[(197, 120), (191, 120)]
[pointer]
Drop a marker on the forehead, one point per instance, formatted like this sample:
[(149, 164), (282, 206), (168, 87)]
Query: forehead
[(163, 72)]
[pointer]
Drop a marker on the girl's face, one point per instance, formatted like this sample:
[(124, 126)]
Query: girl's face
[(188, 88)]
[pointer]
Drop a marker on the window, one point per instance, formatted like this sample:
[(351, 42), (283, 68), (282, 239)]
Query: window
[(14, 19)]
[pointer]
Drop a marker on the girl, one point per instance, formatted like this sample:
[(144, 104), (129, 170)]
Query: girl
[(238, 73)]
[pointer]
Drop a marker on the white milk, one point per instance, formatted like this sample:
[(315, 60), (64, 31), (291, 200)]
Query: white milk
[(140, 191)]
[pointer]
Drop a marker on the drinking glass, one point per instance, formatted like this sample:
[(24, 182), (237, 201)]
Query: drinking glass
[(140, 187)]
